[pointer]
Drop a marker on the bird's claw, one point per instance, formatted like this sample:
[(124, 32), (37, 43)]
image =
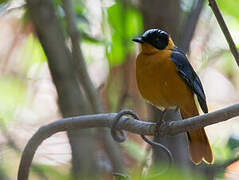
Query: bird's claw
[(161, 124)]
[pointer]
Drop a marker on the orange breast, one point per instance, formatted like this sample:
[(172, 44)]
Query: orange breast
[(159, 82)]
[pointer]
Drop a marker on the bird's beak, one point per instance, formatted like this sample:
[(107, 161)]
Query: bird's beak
[(138, 40)]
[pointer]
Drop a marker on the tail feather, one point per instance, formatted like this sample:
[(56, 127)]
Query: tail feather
[(199, 146), (208, 155)]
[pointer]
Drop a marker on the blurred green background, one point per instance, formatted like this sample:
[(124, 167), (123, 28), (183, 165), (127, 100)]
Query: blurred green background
[(28, 98)]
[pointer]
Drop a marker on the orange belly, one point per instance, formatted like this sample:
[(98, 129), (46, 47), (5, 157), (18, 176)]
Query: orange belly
[(159, 82)]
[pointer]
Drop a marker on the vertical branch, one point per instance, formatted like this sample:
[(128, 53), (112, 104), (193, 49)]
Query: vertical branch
[(110, 146), (223, 26), (85, 80), (125, 83), (190, 25)]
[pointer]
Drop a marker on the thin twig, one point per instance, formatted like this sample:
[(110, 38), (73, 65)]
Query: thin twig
[(122, 138), (164, 148), (221, 22), (114, 129), (126, 123), (227, 163)]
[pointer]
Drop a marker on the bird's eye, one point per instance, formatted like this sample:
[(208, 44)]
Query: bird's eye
[(157, 39)]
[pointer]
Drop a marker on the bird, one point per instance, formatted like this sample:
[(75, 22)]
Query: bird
[(166, 79)]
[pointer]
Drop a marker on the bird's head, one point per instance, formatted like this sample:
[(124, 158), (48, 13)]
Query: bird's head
[(157, 38)]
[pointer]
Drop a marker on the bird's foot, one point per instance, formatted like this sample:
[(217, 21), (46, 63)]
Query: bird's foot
[(161, 124)]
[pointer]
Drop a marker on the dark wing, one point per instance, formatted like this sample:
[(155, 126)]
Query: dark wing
[(189, 75)]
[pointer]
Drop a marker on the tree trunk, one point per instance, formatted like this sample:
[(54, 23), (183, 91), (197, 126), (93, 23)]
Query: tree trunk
[(176, 144), (165, 15), (71, 98)]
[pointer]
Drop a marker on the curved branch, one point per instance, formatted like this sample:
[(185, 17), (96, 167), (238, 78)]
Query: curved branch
[(126, 123)]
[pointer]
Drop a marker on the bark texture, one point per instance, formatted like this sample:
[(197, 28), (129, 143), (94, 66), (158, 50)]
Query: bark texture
[(71, 98)]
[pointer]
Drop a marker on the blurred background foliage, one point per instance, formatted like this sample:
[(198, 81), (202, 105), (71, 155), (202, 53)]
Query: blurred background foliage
[(28, 97)]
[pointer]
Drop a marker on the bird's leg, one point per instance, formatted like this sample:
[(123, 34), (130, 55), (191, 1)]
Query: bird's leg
[(161, 123), (177, 109)]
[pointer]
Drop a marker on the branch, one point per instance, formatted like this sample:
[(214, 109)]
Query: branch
[(197, 122), (126, 123), (190, 25), (221, 22), (85, 80), (228, 163), (109, 145)]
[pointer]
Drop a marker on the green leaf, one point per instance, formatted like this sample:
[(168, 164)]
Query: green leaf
[(233, 142), (227, 63), (134, 26), (124, 23), (89, 39), (4, 5), (229, 7), (134, 23), (120, 176), (57, 2), (115, 51), (116, 18), (222, 153), (12, 94), (4, 2), (53, 172), (32, 52), (79, 9)]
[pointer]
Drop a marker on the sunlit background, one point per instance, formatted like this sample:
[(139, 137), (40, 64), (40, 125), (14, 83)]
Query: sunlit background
[(28, 97)]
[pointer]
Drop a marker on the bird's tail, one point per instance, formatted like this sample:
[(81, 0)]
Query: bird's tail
[(199, 146)]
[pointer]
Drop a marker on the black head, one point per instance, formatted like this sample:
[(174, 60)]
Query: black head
[(156, 37)]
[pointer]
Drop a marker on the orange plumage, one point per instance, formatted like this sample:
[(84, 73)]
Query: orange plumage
[(160, 83)]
